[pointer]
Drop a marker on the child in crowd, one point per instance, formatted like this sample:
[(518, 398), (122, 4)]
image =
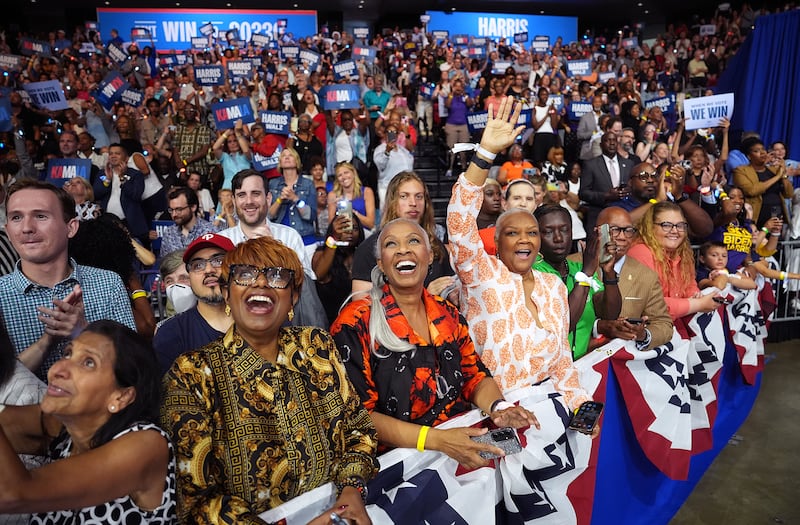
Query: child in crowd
[(713, 272)]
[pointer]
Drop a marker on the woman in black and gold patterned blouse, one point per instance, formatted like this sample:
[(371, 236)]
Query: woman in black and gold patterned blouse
[(266, 412)]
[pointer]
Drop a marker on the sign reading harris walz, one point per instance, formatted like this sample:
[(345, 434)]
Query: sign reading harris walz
[(174, 28), (500, 25)]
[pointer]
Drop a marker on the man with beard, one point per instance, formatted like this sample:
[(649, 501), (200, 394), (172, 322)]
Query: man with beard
[(585, 289), (188, 226), (625, 144), (206, 321)]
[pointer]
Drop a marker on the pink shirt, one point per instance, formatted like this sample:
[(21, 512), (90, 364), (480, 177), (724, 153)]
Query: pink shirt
[(676, 294)]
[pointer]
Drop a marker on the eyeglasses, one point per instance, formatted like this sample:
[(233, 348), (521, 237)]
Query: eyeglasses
[(199, 265), (246, 275), (629, 232), (644, 176), (668, 226), (179, 209)]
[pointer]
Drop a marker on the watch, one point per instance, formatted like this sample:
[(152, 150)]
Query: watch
[(481, 163), (682, 198)]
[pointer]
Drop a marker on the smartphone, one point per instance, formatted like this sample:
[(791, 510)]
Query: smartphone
[(391, 136), (345, 208), (686, 164), (634, 320), (401, 102), (775, 211), (605, 238), (721, 300), (503, 438), (529, 172), (587, 416)]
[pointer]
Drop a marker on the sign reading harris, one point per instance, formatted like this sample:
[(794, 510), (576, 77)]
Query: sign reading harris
[(441, 34), (239, 69), (310, 58), (61, 170), (340, 96), (477, 121), (345, 69), (227, 112), (605, 76), (47, 95), (707, 112), (276, 122), (262, 163), (132, 97), (174, 28), (110, 89), (116, 53), (28, 47), (521, 38), (578, 109), (10, 62), (200, 42), (290, 52), (541, 43), (667, 104), (260, 40), (497, 25), (361, 32), (579, 67)]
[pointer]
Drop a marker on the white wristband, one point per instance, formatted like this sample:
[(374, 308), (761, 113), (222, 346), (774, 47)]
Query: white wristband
[(3, 407), (485, 154), (502, 405)]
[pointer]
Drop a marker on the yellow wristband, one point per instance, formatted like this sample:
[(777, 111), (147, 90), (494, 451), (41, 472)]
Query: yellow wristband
[(137, 294), (581, 283), (423, 435), (653, 201), (782, 276)]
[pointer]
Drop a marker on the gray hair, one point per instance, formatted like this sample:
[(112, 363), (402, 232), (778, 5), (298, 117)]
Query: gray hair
[(170, 263)]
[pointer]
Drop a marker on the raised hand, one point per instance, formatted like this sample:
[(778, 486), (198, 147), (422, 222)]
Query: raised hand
[(501, 126)]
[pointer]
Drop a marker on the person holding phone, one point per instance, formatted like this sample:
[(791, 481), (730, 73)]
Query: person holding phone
[(765, 187), (390, 158)]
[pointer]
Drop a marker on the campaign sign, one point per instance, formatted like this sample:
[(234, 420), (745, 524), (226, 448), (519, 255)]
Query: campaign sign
[(239, 69), (521, 38), (61, 170), (5, 112), (587, 41), (345, 69), (10, 62), (476, 52), (207, 29), (110, 89), (578, 109), (461, 40), (499, 67), (441, 34), (707, 112), (232, 34), (90, 25), (361, 32), (477, 121), (47, 95), (388, 44), (140, 33), (255, 62), (629, 43), (426, 90), (478, 40), (116, 53), (87, 49), (340, 96), (505, 25), (262, 163), (227, 112), (276, 122), (260, 40), (606, 76), (132, 97), (199, 42), (28, 47), (366, 53), (310, 58), (288, 52), (557, 100), (667, 104), (708, 30), (579, 67), (541, 43), (525, 118)]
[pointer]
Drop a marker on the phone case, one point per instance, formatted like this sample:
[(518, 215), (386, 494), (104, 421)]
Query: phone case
[(505, 439), (587, 416), (605, 238)]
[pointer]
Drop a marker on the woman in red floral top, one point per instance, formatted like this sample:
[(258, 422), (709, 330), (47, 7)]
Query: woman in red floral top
[(413, 363)]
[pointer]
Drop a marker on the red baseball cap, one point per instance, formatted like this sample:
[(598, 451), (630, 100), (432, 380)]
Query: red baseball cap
[(208, 240)]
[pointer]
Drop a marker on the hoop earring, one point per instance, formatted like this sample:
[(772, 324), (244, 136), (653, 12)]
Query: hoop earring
[(228, 310), (291, 314)]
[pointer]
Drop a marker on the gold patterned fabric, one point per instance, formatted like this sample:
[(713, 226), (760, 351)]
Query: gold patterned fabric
[(251, 435)]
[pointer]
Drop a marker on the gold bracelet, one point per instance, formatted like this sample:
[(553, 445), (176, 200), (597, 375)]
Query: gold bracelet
[(423, 435)]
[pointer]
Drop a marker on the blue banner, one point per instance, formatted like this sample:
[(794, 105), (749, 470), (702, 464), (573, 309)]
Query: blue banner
[(521, 38), (174, 28), (116, 53), (47, 95), (361, 32), (28, 47), (309, 58), (497, 25), (110, 89), (461, 40), (578, 109), (579, 67), (605, 76), (667, 104), (541, 44), (207, 29), (239, 69), (476, 52), (478, 40), (477, 121), (631, 42), (209, 75), (60, 170), (262, 163), (426, 90), (132, 97), (557, 100), (366, 53), (10, 62), (227, 112), (277, 122), (289, 52), (345, 69), (260, 40), (200, 42), (340, 96)]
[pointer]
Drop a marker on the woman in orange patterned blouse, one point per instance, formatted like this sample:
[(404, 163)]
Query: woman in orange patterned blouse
[(409, 355), (518, 317)]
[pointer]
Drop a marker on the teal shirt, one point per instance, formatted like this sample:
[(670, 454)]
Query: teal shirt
[(578, 338)]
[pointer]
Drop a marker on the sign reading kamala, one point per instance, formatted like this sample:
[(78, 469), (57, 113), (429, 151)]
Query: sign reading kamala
[(496, 25), (340, 96), (47, 95), (30, 47), (707, 112), (276, 122), (174, 28), (227, 112), (59, 170)]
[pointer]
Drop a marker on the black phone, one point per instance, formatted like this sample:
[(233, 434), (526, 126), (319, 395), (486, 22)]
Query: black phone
[(634, 320), (587, 416), (505, 439), (391, 136), (775, 211), (721, 300)]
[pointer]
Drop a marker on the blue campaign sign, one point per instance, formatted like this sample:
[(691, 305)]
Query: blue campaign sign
[(132, 97), (361, 32), (540, 44), (28, 47), (110, 89), (557, 101), (10, 62), (479, 40), (521, 38), (497, 25), (366, 53), (48, 94), (426, 90), (578, 109), (116, 53), (260, 40), (276, 122), (60, 170), (667, 104), (477, 121), (476, 52), (345, 69), (239, 69), (441, 34), (209, 75), (174, 28), (310, 58), (227, 112), (605, 76), (262, 163), (288, 52), (339, 96), (579, 67), (461, 40), (631, 42), (200, 42)]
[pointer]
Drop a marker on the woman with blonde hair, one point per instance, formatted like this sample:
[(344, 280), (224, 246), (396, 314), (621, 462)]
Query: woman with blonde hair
[(347, 185), (83, 194)]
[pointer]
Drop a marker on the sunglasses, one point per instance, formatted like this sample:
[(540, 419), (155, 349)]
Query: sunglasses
[(246, 275)]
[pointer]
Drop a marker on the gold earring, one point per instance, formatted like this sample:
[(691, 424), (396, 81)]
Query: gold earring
[(228, 310), (291, 314)]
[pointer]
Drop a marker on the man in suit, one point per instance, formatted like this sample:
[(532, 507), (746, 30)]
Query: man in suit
[(604, 178), (119, 191), (642, 296), (589, 128)]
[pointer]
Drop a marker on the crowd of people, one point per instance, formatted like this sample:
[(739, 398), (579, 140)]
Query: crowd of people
[(316, 313)]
